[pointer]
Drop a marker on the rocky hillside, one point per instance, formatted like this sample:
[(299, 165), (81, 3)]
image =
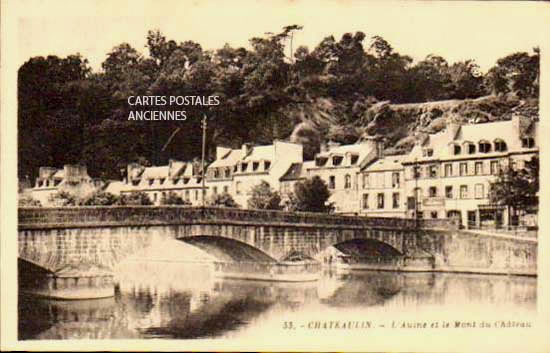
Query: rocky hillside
[(400, 124)]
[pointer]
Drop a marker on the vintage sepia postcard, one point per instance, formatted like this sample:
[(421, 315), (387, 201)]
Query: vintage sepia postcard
[(275, 175)]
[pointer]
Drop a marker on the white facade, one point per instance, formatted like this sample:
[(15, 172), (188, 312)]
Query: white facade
[(178, 177), (239, 170), (72, 179), (339, 167), (382, 186), (454, 169)]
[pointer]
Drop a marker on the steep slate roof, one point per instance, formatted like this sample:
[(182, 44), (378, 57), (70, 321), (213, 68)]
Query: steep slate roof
[(155, 172), (474, 133), (387, 163), (297, 171), (228, 160), (261, 153)]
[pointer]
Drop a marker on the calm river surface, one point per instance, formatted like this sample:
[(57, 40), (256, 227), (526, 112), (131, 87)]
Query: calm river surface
[(184, 300)]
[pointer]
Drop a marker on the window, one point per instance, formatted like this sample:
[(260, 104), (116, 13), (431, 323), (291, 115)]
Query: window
[(244, 166), (418, 193), (215, 190), (380, 180), (527, 142), (187, 195), (175, 181), (320, 161), (463, 191), (478, 191), (40, 182), (500, 146), (457, 149), (433, 214), (449, 191), (337, 160), (484, 147), (267, 165), (495, 168), (479, 168), (433, 171), (347, 184), (380, 199), (196, 195), (216, 173), (332, 182), (354, 159), (161, 180), (448, 170), (395, 179), (227, 172), (226, 189), (417, 172), (154, 197), (432, 191), (420, 215), (365, 180), (235, 168), (255, 166), (427, 152), (463, 169), (471, 148), (151, 181), (238, 187), (395, 200), (365, 201)]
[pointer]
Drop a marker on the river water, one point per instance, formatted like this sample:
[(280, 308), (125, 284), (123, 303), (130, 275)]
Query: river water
[(160, 299)]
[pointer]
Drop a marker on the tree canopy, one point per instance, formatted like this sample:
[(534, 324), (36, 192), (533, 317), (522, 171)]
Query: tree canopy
[(70, 114), (310, 195)]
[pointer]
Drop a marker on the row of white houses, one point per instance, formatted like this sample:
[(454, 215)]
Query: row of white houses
[(446, 174)]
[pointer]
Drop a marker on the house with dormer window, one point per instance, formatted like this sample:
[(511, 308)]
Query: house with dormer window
[(237, 171), (454, 180), (182, 178), (339, 166), (72, 179)]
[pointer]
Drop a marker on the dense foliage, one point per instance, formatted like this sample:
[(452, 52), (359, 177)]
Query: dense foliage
[(222, 200), (310, 195), (263, 197), (69, 114), (517, 188), (173, 199)]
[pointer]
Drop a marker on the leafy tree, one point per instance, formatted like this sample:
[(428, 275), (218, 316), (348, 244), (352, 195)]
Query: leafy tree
[(222, 200), (517, 189), (136, 199), (28, 201), (263, 197), (101, 198), (173, 199), (311, 195), (518, 73), (63, 199)]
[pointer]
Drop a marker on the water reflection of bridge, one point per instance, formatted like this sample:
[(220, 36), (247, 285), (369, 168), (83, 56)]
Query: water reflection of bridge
[(176, 306)]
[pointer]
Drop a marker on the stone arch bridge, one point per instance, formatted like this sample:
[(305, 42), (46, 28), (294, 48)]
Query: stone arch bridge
[(71, 252)]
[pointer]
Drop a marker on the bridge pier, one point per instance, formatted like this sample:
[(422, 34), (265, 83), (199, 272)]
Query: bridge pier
[(72, 287)]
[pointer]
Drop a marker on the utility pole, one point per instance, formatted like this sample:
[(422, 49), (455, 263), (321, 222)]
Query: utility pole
[(203, 124)]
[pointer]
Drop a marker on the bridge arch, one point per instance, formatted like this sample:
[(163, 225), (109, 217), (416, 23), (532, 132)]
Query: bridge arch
[(227, 249)]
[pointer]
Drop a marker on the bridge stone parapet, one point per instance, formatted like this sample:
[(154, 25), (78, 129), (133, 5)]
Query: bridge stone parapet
[(41, 218)]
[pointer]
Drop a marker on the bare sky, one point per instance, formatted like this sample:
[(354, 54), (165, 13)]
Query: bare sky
[(457, 30)]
